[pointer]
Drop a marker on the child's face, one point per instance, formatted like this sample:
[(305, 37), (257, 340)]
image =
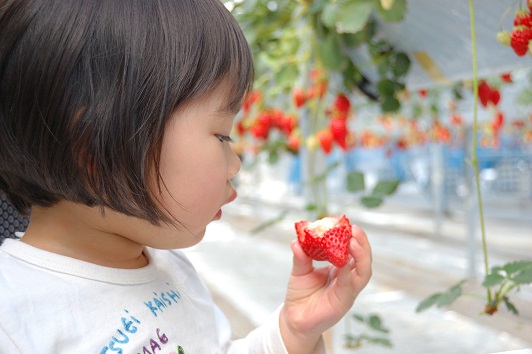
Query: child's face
[(196, 163), (196, 166)]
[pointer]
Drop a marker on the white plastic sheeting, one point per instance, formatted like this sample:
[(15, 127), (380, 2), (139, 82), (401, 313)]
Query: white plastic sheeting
[(439, 32)]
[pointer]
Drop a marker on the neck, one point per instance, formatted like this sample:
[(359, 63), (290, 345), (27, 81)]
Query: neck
[(84, 233)]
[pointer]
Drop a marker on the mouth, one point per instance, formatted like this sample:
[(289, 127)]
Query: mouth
[(229, 200)]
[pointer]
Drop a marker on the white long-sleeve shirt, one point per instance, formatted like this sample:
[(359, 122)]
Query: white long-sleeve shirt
[(50, 303)]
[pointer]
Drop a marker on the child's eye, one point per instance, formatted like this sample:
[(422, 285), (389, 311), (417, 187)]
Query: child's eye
[(223, 138)]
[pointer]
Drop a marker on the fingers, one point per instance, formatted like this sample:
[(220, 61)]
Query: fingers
[(360, 249), (360, 236), (302, 264)]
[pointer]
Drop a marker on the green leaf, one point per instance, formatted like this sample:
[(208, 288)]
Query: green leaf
[(517, 266), (316, 6), (386, 187), (353, 15), (525, 97), (524, 277), (286, 77), (330, 53), (375, 323), (371, 201), (376, 340), (395, 13), (401, 64), (328, 15), (355, 181), (510, 306), (428, 302), (273, 156), (386, 87), (450, 296), (359, 318), (311, 207), (492, 279), (442, 299), (390, 104)]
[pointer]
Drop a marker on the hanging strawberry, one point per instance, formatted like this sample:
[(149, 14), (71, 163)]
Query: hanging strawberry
[(250, 100), (456, 120), (495, 97), (488, 94), (286, 123), (260, 131), (507, 78), (299, 96), (498, 121), (519, 38), (484, 93), (294, 142), (523, 18), (325, 139), (521, 34), (342, 105), (338, 127)]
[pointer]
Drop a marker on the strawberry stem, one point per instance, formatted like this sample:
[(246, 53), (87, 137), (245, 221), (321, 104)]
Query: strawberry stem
[(474, 141)]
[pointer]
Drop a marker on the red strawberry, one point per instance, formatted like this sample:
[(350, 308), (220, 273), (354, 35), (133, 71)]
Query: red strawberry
[(519, 38), (338, 129), (325, 138), (250, 99), (265, 119), (484, 93), (240, 128), (507, 77), (342, 103), (260, 131), (299, 96), (326, 239), (286, 123), (498, 121), (495, 96), (522, 18), (293, 143), (456, 119)]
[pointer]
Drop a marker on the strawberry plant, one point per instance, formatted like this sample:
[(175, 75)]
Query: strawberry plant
[(499, 281), (305, 67), (372, 332)]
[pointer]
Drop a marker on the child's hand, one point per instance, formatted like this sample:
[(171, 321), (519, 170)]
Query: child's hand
[(317, 298)]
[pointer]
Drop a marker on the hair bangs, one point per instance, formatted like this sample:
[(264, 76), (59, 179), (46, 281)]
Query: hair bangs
[(223, 55)]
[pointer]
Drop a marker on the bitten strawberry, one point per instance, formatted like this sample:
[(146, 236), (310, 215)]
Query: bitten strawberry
[(326, 239)]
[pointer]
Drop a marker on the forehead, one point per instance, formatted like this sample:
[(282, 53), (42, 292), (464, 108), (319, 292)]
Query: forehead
[(222, 99)]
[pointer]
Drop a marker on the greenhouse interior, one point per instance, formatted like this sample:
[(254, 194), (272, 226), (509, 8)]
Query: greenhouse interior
[(414, 120)]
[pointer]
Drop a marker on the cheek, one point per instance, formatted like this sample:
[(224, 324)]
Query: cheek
[(193, 181)]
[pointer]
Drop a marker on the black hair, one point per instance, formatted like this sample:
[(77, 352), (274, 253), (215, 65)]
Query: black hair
[(87, 86)]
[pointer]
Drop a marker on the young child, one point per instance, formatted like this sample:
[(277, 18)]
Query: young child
[(114, 129)]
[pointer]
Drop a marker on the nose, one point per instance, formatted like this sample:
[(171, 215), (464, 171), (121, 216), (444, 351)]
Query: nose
[(235, 164)]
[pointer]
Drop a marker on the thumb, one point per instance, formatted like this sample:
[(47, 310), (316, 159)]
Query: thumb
[(302, 264)]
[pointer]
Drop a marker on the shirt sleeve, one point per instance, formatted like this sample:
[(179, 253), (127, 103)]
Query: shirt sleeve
[(265, 339)]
